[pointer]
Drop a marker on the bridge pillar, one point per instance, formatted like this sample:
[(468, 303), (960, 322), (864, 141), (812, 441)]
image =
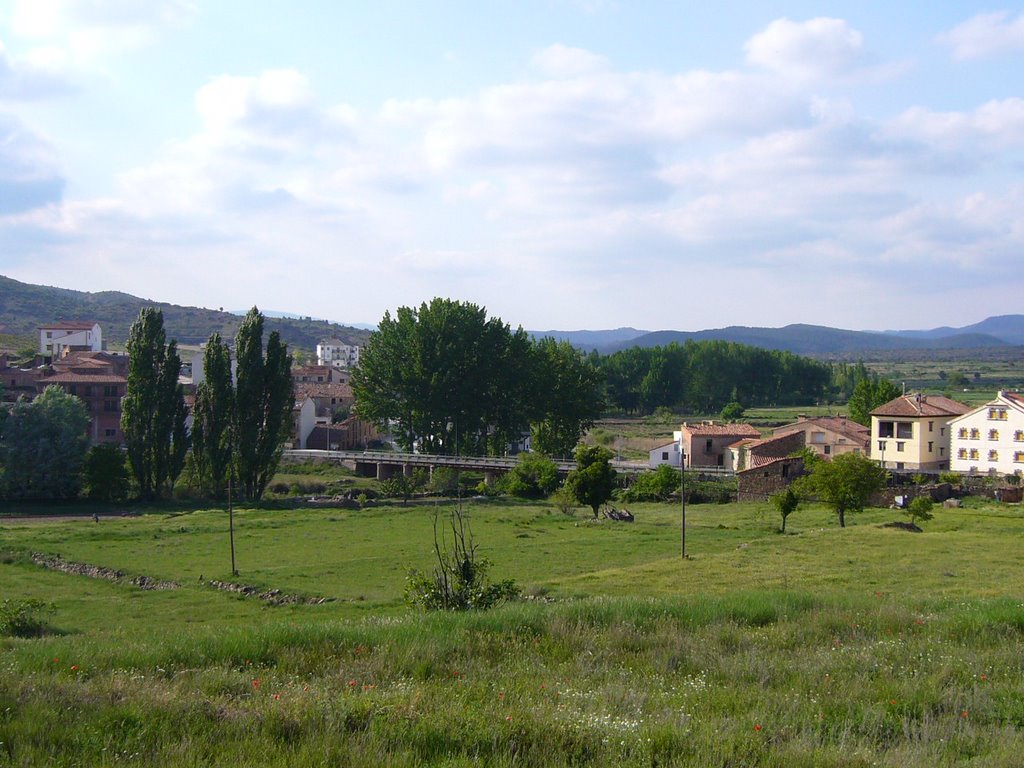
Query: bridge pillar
[(386, 471), (407, 470), (366, 468), (491, 476)]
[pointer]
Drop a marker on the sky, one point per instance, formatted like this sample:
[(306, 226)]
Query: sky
[(566, 164)]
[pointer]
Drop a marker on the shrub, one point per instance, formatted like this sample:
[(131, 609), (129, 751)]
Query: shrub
[(658, 485), (953, 478), (444, 481), (565, 501), (459, 582), (23, 618), (106, 473), (533, 477), (731, 412)]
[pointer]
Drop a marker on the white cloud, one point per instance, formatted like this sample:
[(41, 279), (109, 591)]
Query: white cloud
[(809, 50), (986, 34), (28, 78), (89, 30), (564, 61)]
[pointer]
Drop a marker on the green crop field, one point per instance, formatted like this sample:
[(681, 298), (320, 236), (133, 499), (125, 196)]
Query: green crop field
[(824, 647)]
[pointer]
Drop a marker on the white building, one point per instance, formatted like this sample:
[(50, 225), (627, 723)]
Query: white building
[(337, 353), (665, 454), (990, 438), (79, 335)]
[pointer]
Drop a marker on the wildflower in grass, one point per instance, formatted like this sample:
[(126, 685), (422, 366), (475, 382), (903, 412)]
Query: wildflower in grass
[(56, 660), (74, 667), (964, 714), (256, 684), (509, 718), (277, 697), (984, 677), (757, 726), (352, 683), (501, 695), (893, 702)]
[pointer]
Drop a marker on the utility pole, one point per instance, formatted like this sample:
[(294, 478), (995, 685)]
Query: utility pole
[(682, 496)]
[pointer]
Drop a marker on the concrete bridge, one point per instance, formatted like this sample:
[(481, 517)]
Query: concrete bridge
[(385, 464)]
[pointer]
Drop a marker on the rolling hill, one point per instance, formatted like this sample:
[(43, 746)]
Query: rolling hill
[(24, 307)]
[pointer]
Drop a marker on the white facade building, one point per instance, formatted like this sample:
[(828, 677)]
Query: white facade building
[(990, 438), (665, 454), (337, 353), (81, 335)]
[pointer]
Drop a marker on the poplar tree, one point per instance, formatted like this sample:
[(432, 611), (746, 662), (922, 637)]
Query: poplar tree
[(212, 418), (153, 413), (263, 405)]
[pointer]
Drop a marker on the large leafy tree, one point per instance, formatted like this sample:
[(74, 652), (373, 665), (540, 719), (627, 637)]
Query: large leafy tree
[(846, 483), (153, 413), (868, 395), (212, 446), (446, 376), (569, 397), (262, 405), (593, 480), (43, 445)]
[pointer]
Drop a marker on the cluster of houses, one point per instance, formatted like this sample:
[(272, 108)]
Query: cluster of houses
[(913, 433), (71, 355)]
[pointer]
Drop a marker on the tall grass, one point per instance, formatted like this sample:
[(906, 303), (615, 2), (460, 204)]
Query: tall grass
[(753, 679)]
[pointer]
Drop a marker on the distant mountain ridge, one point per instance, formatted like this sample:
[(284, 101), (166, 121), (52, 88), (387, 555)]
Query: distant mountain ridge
[(816, 340), (24, 307)]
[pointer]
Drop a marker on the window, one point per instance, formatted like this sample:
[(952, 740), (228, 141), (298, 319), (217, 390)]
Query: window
[(88, 390), (707, 445), (997, 414), (900, 465), (110, 390), (828, 450), (664, 455), (975, 434), (881, 445), (1018, 457), (975, 454), (993, 434), (1019, 435), (961, 453), (886, 429), (905, 430), (993, 455), (942, 450), (962, 433), (110, 405), (931, 426), (817, 437), (942, 431), (931, 448), (110, 433), (899, 446)]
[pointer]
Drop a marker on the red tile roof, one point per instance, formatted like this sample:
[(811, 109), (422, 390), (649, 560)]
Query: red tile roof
[(921, 405), (68, 325), (82, 378), (721, 430), (836, 424)]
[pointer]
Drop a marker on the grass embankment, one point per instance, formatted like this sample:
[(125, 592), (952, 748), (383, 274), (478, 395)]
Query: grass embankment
[(864, 646)]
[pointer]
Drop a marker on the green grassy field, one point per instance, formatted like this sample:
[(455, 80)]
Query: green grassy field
[(824, 647)]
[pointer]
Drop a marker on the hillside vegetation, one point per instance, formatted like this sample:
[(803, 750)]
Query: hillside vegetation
[(24, 307)]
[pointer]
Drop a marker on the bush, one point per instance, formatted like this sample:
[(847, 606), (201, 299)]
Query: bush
[(731, 412), (564, 501), (953, 478), (658, 485), (23, 618), (459, 582), (533, 477), (106, 473), (444, 481)]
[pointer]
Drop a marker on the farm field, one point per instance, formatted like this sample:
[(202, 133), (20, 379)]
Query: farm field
[(825, 647)]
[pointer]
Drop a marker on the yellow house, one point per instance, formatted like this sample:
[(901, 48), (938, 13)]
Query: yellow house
[(912, 431)]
